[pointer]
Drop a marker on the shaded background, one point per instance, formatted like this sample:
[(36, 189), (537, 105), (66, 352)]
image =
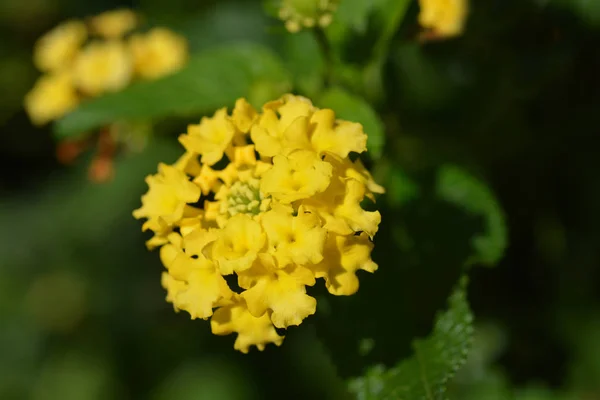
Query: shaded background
[(515, 100)]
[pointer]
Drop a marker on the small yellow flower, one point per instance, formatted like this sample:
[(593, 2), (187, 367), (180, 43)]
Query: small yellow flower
[(203, 286), (282, 209), (306, 13), (52, 97), (446, 18), (251, 331), (238, 244), (103, 67), (210, 138), (336, 137), (165, 202), (294, 239), (297, 176), (113, 24), (344, 255), (243, 116), (158, 52), (283, 293), (56, 49)]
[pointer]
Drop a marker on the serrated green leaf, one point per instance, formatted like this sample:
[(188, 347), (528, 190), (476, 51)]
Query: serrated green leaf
[(212, 79), (356, 109), (464, 190), (435, 359)]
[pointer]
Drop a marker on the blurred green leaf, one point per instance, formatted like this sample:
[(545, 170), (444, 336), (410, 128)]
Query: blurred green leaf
[(435, 360), (583, 332), (355, 13), (356, 109), (74, 376), (400, 188), (271, 7), (541, 392), (84, 211), (422, 82), (587, 10), (226, 22), (464, 190), (209, 379), (370, 27), (212, 79), (491, 385), (389, 16), (305, 62)]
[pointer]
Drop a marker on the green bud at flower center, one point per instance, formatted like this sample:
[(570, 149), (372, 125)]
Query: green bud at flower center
[(245, 197)]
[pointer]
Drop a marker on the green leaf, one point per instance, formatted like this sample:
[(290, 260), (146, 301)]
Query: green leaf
[(355, 13), (76, 374), (208, 379), (464, 190), (356, 109), (435, 360), (424, 83), (86, 211), (390, 15), (212, 79), (399, 186), (305, 62)]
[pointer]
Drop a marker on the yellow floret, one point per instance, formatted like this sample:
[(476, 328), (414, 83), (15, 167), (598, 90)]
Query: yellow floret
[(251, 331), (103, 67), (445, 17), (114, 24), (56, 49), (164, 204), (210, 138), (158, 52), (52, 97)]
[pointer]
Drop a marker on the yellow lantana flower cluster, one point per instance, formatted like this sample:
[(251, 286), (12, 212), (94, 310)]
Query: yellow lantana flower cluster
[(306, 13), (86, 59), (445, 18), (260, 205)]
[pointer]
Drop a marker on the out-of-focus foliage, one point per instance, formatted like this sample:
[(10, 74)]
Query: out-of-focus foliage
[(485, 144), (250, 71), (458, 187), (434, 362)]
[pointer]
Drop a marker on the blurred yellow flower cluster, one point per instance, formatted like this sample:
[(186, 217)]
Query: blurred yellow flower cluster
[(260, 205), (445, 18), (306, 13), (86, 59)]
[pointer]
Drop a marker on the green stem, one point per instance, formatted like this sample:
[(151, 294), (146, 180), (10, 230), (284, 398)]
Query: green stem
[(327, 54)]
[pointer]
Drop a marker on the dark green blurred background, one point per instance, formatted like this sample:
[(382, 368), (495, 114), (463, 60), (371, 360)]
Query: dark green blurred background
[(516, 100)]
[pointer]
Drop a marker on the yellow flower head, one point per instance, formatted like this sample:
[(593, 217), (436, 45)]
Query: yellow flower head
[(56, 49), (270, 199), (113, 24), (158, 52), (103, 67), (445, 18), (52, 96), (306, 13)]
